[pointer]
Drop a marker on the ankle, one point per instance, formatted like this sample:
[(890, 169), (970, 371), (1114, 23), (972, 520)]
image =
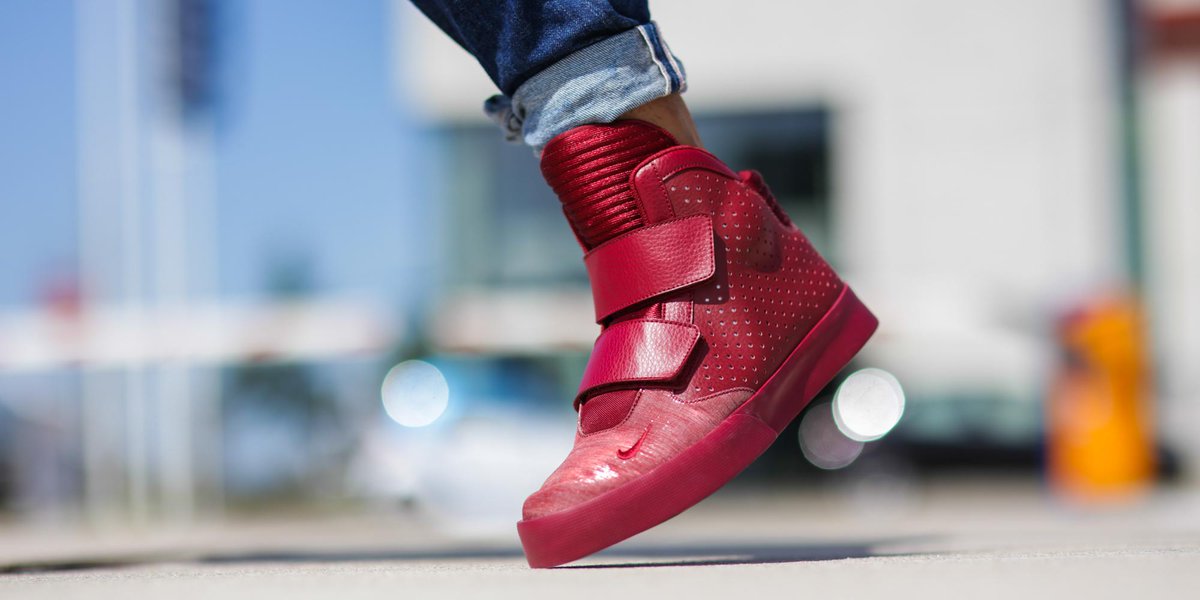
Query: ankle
[(671, 114)]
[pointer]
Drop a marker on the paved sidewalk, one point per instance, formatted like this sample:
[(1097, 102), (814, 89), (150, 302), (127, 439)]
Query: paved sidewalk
[(959, 542)]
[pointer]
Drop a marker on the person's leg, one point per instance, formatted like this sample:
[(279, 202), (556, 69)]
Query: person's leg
[(670, 113), (719, 321), (564, 63)]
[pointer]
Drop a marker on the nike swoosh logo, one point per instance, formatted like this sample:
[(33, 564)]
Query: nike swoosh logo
[(633, 450)]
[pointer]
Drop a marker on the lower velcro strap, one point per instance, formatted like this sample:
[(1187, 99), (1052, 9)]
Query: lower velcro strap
[(639, 351)]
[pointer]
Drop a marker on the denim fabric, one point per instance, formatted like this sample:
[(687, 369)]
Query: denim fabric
[(594, 85), (515, 39), (561, 63)]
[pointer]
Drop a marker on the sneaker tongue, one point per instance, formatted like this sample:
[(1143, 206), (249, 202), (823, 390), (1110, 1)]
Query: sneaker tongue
[(589, 168)]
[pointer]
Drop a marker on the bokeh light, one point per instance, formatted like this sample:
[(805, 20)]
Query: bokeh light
[(822, 443), (415, 393), (868, 404)]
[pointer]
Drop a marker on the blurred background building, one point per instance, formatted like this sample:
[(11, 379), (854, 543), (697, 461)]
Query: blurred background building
[(227, 228)]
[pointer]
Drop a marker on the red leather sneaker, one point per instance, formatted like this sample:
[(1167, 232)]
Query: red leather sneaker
[(719, 324)]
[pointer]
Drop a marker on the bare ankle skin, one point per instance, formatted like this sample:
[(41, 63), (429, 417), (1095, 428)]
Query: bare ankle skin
[(670, 113)]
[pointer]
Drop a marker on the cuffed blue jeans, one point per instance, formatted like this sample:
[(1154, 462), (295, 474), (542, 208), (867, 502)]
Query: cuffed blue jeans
[(561, 63)]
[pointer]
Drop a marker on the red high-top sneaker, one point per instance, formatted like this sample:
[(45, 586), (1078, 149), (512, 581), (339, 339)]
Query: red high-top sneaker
[(720, 323)]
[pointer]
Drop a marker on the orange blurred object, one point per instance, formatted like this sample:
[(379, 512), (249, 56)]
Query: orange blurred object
[(1100, 443)]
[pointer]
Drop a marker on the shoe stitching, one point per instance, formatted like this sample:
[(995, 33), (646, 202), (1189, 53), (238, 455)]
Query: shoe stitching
[(679, 400)]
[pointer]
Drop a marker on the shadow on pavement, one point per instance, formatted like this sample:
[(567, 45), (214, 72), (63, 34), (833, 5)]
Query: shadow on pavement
[(687, 555), (676, 555)]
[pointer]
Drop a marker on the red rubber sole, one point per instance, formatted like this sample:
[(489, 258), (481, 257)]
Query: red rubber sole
[(710, 463)]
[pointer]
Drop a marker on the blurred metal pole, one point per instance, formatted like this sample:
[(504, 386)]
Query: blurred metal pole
[(1128, 37), (171, 243), (129, 114), (91, 394), (173, 384), (100, 192), (207, 417)]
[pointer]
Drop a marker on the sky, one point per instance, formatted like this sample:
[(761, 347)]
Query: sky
[(316, 158), (37, 145)]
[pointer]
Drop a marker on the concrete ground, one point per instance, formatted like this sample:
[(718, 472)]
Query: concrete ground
[(960, 541)]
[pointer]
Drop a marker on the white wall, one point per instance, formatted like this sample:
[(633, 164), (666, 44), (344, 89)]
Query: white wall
[(1171, 115), (975, 182)]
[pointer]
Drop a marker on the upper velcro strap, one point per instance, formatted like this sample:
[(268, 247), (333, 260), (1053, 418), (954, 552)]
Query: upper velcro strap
[(649, 262), (643, 350)]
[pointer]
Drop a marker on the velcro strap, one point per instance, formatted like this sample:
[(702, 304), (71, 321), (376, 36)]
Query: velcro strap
[(650, 262), (639, 351)]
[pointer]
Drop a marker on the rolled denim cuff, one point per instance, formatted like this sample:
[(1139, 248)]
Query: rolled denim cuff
[(595, 84)]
